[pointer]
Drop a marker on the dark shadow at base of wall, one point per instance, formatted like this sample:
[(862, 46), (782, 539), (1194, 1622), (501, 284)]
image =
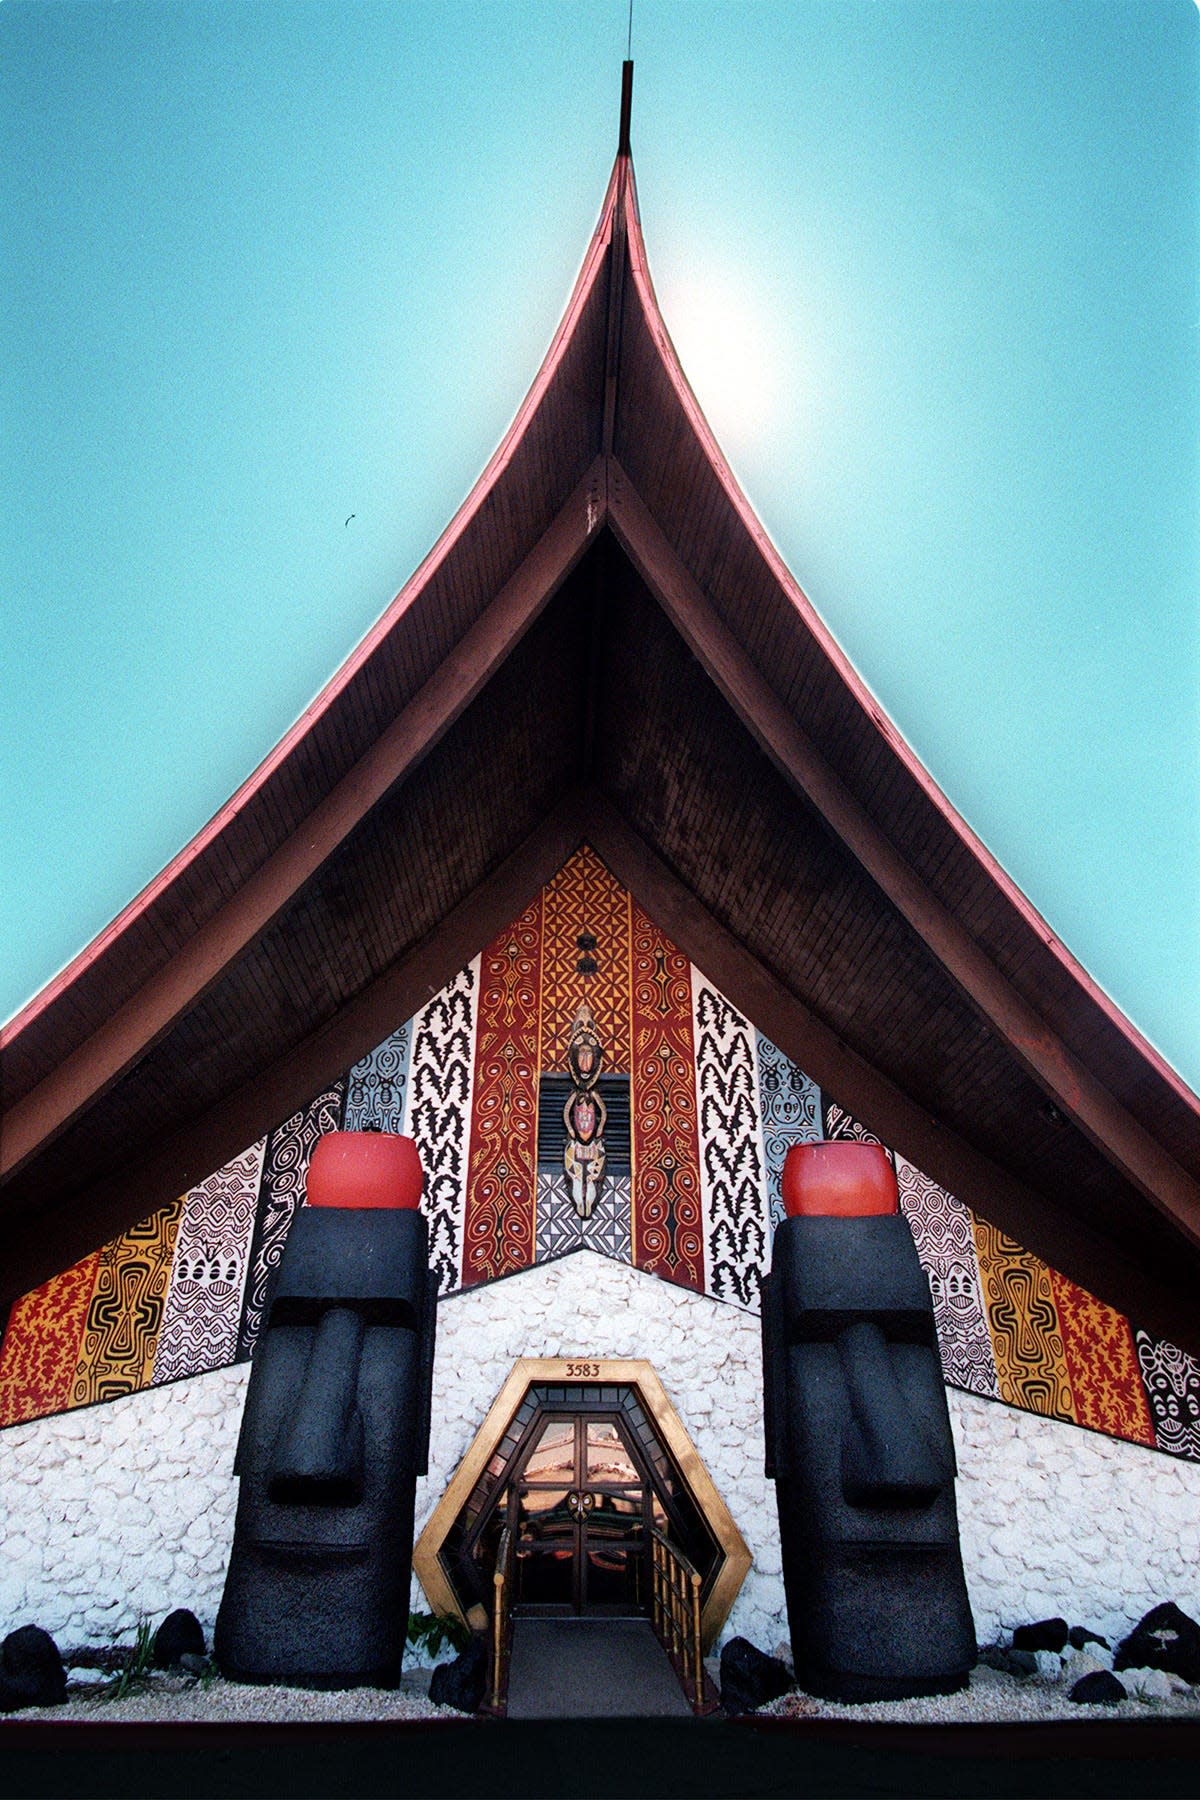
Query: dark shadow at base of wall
[(625, 1759)]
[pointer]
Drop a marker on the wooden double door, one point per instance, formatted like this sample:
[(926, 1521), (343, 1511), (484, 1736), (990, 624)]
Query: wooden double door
[(581, 1503)]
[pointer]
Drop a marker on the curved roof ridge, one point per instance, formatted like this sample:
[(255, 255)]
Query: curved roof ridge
[(854, 682), (593, 262)]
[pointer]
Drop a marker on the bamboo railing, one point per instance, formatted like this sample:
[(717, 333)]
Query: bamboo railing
[(675, 1615), (501, 1601)]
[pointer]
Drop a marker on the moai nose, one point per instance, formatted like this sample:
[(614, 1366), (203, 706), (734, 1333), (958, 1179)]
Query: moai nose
[(886, 1460), (318, 1459)]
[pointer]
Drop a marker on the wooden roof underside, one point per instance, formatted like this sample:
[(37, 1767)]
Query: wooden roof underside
[(605, 646)]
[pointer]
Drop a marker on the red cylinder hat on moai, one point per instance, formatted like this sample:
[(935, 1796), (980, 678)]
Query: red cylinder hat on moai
[(844, 1180), (366, 1169)]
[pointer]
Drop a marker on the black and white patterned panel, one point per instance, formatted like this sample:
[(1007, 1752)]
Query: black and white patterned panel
[(789, 1104), (208, 1271), (560, 1229), (737, 1229), (941, 1228), (841, 1124), (376, 1087), (285, 1166), (1171, 1378), (438, 1114)]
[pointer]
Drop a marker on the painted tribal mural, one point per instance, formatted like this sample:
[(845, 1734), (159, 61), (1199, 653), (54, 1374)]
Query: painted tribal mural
[(580, 1038)]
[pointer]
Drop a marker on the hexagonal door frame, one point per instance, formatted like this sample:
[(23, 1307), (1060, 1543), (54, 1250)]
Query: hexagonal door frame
[(539, 1371)]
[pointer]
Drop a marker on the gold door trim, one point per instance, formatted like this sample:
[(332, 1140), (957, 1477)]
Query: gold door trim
[(535, 1371)]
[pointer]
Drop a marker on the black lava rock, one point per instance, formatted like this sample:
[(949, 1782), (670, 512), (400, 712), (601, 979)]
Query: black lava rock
[(1079, 1638), (749, 1679), (1047, 1634), (31, 1670), (462, 1683), (178, 1636), (1009, 1662), (1097, 1689), (1165, 1639)]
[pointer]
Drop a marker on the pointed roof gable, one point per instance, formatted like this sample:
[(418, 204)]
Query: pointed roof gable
[(604, 643)]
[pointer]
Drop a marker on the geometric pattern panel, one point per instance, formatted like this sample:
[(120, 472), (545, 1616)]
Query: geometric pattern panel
[(500, 1213), (790, 1109), (839, 1125), (1106, 1384), (585, 900), (941, 1229), (208, 1274), (41, 1344), (668, 1237), (737, 1223), (561, 1230), (1027, 1341), (285, 1167), (1172, 1381), (439, 1114), (701, 1111), (376, 1086), (120, 1332)]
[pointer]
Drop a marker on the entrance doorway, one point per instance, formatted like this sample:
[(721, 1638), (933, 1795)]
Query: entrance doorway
[(580, 1476), (580, 1505)]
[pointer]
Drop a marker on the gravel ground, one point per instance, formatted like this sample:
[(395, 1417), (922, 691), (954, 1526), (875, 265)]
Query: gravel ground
[(181, 1699), (174, 1699), (991, 1698)]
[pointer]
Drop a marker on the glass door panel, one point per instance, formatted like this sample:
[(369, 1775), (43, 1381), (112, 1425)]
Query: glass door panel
[(608, 1458), (553, 1455), (545, 1515)]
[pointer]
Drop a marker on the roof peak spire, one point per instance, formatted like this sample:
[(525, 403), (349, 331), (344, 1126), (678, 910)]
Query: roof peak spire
[(626, 106)]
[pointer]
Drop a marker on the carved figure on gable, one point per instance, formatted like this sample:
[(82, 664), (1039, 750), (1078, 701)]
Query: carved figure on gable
[(335, 1431), (584, 1113), (858, 1439)]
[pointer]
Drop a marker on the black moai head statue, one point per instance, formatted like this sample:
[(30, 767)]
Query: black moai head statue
[(858, 1439), (335, 1431)]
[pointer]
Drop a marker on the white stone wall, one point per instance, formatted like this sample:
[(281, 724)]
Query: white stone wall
[(120, 1510), (127, 1509), (1055, 1520), (707, 1356)]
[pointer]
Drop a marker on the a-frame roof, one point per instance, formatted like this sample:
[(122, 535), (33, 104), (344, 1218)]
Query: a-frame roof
[(605, 645)]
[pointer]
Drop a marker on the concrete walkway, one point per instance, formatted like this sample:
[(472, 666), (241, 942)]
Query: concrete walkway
[(591, 1668)]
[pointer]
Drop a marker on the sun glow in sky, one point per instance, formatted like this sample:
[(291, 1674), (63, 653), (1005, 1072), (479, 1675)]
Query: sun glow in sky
[(931, 269), (732, 353)]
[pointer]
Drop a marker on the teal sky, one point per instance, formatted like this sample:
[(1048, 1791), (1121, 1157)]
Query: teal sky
[(266, 265)]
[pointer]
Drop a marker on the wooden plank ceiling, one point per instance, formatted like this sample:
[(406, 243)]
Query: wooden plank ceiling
[(605, 646)]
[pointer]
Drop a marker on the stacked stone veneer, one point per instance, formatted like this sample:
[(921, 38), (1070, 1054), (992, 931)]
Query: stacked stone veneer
[(125, 1509)]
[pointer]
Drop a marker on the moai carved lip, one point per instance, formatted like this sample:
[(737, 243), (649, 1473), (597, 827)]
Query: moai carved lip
[(309, 1550)]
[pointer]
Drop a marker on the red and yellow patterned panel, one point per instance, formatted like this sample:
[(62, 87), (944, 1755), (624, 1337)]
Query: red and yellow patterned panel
[(120, 1333), (584, 898), (41, 1344), (1102, 1364), (1031, 1363), (500, 1214), (667, 1232)]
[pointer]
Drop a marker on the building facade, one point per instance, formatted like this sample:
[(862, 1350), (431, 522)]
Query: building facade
[(598, 872)]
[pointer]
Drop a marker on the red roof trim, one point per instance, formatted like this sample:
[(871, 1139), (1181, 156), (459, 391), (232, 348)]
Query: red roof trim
[(592, 263), (754, 527)]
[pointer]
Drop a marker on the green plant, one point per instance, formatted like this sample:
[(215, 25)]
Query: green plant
[(137, 1665), (205, 1677), (433, 1631)]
